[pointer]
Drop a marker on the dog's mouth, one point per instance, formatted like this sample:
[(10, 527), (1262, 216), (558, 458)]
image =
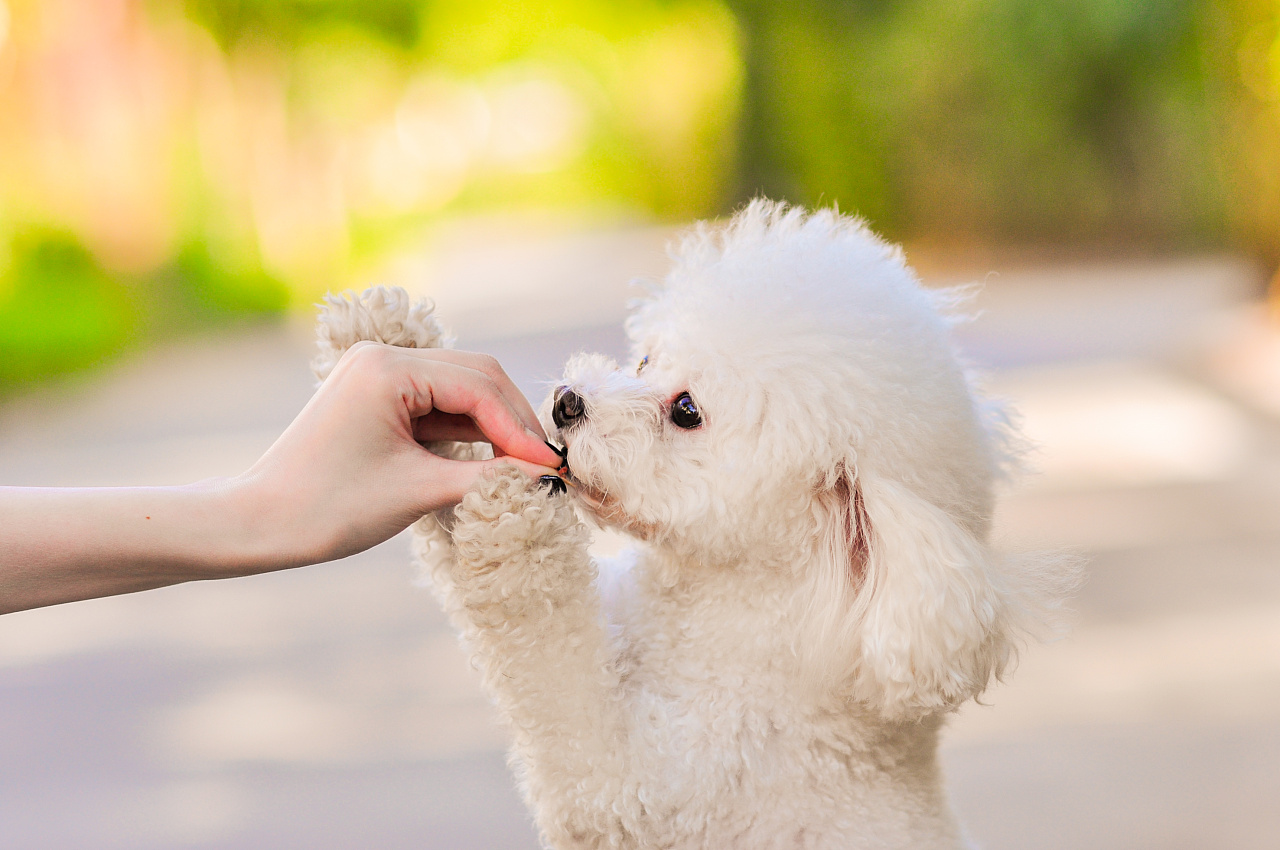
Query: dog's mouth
[(608, 511), (563, 469), (601, 504)]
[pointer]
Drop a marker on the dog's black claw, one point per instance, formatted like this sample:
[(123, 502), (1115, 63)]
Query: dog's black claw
[(563, 469), (553, 483)]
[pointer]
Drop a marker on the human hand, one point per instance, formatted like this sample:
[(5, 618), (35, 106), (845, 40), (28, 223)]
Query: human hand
[(346, 475), (351, 472)]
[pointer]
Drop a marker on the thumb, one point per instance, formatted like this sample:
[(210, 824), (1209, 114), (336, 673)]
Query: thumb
[(449, 480)]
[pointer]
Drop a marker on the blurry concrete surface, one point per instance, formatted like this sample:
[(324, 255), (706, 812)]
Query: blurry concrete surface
[(330, 708)]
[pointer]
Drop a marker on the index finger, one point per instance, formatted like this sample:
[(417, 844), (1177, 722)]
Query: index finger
[(489, 366), (455, 389)]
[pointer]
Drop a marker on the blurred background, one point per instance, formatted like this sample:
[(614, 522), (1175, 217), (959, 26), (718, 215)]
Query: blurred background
[(181, 181)]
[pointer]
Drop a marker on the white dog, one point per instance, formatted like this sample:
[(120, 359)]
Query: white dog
[(808, 476)]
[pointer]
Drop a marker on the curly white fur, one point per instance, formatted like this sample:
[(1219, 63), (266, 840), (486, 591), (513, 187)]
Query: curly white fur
[(811, 592), (381, 314)]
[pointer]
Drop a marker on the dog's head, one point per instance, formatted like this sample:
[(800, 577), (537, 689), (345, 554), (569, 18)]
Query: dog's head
[(795, 402)]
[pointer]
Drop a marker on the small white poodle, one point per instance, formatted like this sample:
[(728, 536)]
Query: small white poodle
[(808, 476)]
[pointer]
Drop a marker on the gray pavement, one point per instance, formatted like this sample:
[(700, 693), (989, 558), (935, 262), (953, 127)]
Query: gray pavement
[(329, 707)]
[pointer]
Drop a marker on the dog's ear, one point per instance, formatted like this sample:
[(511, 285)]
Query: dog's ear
[(935, 626), (910, 612)]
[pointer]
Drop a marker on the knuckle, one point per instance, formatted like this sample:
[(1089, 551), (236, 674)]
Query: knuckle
[(488, 388), (368, 360), (487, 365), (367, 353)]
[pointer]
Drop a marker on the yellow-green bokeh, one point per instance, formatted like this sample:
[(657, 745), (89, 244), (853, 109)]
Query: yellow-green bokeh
[(166, 164)]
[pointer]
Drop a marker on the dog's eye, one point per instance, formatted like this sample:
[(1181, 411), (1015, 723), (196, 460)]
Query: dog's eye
[(644, 361), (684, 412)]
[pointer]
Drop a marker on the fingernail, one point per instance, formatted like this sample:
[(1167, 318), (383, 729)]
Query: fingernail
[(563, 454), (552, 483)]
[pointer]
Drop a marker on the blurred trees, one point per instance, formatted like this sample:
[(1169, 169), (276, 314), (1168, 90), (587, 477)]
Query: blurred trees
[(1097, 121), (167, 163), (1244, 80)]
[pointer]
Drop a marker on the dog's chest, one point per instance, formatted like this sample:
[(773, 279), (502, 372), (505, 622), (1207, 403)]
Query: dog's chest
[(721, 716), (715, 702)]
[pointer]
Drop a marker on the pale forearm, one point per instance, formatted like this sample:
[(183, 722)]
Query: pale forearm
[(349, 473), (65, 544)]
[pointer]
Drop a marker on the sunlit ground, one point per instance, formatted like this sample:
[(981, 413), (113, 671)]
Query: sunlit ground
[(329, 707)]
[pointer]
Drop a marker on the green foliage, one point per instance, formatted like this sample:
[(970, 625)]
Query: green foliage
[(295, 144), (195, 289), (59, 311), (661, 80), (1052, 120), (285, 22), (811, 133)]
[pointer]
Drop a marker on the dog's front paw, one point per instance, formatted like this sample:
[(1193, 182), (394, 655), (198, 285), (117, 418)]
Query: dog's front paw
[(520, 532), (381, 314)]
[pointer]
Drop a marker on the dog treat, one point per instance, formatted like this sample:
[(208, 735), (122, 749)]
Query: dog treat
[(563, 469)]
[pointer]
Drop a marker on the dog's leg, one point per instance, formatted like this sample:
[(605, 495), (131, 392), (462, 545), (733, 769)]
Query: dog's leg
[(523, 594), (381, 314)]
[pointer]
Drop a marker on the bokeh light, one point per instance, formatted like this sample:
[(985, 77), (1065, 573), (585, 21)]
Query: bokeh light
[(192, 161), (185, 163), (181, 179)]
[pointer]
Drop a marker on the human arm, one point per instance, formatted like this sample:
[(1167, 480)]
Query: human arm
[(348, 473)]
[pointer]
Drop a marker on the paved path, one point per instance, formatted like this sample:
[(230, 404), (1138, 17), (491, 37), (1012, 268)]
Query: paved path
[(329, 708)]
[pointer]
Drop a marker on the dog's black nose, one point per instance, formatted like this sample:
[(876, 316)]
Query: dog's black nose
[(568, 408)]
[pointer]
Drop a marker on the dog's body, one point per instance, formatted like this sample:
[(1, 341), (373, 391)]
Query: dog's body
[(809, 478)]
